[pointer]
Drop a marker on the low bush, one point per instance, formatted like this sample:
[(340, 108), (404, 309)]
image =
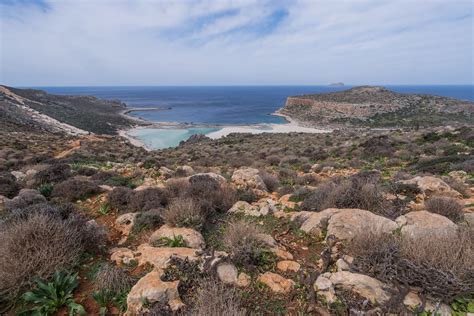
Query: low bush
[(25, 198), (8, 185), (150, 219), (36, 241), (53, 174), (75, 189), (119, 198), (271, 182), (439, 265), (113, 279), (147, 199), (214, 298), (445, 206), (244, 243), (184, 212)]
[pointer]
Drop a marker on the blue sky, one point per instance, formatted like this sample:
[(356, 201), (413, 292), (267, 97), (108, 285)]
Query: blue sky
[(243, 42)]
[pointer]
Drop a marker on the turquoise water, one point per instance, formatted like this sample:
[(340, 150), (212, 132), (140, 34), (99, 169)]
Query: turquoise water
[(159, 138)]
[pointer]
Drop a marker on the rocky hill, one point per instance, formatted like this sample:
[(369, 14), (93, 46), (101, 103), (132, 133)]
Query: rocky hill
[(38, 110), (377, 107)]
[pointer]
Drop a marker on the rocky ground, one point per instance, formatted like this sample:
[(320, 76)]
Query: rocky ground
[(267, 224)]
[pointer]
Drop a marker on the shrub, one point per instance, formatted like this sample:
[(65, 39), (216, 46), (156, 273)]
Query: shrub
[(36, 241), (53, 174), (183, 212), (214, 298), (247, 195), (46, 189), (440, 266), (244, 243), (445, 206), (120, 181), (8, 185), (271, 182), (119, 198), (273, 160), (49, 297), (210, 194), (86, 171), (148, 220), (147, 199), (113, 279), (75, 189), (26, 198)]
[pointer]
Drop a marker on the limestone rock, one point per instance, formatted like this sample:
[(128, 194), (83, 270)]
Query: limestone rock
[(282, 254), (124, 224), (214, 176), (344, 263), (121, 255), (19, 176), (267, 239), (316, 222), (192, 238), (166, 172), (346, 223), (243, 280), (430, 185), (288, 265), (285, 202), (248, 178), (185, 171), (159, 257), (276, 282), (415, 224), (245, 208), (151, 289), (227, 273), (368, 287), (412, 300)]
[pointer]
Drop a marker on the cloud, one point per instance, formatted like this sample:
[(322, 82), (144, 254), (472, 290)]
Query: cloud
[(124, 42)]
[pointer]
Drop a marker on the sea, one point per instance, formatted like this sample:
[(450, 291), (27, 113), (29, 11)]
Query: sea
[(221, 105)]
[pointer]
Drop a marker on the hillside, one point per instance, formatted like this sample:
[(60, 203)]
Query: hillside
[(36, 109), (377, 107)]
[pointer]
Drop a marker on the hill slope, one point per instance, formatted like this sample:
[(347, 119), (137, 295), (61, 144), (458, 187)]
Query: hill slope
[(377, 107)]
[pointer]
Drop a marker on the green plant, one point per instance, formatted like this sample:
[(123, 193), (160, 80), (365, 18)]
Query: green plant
[(102, 298), (48, 297), (462, 306), (104, 209), (46, 189), (175, 241)]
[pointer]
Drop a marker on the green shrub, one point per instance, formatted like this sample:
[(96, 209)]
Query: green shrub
[(48, 297), (46, 189), (176, 241)]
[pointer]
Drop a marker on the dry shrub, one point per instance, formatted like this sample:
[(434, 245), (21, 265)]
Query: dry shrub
[(148, 220), (53, 174), (439, 265), (244, 243), (358, 191), (147, 199), (271, 182), (183, 212), (273, 160), (113, 279), (214, 298), (25, 198), (75, 189), (36, 241), (119, 198), (445, 206), (8, 185)]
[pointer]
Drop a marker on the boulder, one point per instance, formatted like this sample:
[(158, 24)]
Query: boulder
[(25, 197), (324, 287), (412, 301), (19, 176), (276, 282), (344, 263), (124, 224), (365, 286), (288, 265), (192, 238), (165, 172), (415, 224), (243, 280), (248, 178), (151, 289), (227, 273), (282, 254), (245, 208), (159, 257), (185, 171), (316, 222), (430, 185), (469, 218), (285, 202), (346, 223)]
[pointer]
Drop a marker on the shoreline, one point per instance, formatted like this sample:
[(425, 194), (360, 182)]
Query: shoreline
[(291, 126)]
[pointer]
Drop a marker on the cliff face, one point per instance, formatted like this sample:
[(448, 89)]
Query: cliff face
[(38, 110), (377, 106)]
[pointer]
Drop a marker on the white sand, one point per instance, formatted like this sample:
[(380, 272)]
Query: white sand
[(266, 128)]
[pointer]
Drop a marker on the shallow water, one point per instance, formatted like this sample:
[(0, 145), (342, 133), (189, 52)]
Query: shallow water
[(159, 138)]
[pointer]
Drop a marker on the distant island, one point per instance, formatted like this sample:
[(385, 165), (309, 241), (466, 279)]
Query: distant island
[(337, 84)]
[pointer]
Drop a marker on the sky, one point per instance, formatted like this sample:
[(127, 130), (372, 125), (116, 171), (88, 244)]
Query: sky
[(239, 42)]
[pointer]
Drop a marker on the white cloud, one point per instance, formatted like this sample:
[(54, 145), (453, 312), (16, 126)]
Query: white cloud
[(236, 42)]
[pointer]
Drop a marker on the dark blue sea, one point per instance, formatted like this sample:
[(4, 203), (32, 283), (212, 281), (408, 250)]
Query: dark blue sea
[(227, 104)]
